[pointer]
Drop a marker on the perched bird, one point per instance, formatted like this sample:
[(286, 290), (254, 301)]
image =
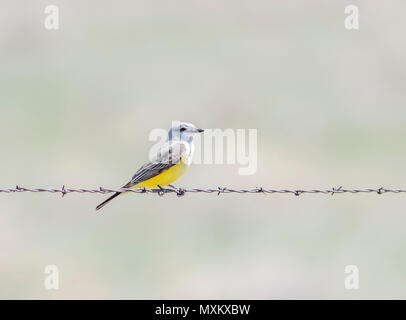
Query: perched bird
[(170, 162)]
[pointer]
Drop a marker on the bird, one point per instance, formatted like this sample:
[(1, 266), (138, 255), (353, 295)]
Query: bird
[(169, 163)]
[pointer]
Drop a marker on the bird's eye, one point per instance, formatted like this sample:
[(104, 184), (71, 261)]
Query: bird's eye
[(182, 129)]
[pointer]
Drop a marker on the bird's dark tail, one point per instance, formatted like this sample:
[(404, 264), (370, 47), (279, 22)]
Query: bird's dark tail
[(101, 205)]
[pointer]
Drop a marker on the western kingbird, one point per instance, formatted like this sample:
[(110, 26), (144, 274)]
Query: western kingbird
[(170, 162)]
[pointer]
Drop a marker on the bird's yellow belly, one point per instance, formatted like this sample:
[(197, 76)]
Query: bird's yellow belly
[(164, 178)]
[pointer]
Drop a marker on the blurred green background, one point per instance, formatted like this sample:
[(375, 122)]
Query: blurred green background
[(77, 106)]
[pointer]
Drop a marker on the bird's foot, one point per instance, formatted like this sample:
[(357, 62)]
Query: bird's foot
[(179, 191), (161, 191)]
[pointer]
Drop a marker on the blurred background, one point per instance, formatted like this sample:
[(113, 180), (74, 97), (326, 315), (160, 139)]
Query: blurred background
[(77, 105)]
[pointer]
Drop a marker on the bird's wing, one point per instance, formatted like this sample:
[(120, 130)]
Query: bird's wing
[(169, 155)]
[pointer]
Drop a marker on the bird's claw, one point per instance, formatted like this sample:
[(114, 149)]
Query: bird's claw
[(179, 191)]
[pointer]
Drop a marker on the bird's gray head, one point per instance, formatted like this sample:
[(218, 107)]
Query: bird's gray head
[(183, 131)]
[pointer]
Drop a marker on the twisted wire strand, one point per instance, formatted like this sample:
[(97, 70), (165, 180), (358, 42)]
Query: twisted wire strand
[(220, 190)]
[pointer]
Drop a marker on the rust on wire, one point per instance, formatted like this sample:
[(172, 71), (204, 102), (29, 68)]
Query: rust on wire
[(220, 190)]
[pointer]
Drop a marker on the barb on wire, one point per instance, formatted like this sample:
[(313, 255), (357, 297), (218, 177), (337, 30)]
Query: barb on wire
[(220, 190)]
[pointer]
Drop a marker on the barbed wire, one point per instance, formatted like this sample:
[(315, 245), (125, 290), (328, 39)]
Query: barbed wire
[(220, 190)]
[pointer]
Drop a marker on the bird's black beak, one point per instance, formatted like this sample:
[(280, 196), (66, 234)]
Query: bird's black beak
[(200, 130)]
